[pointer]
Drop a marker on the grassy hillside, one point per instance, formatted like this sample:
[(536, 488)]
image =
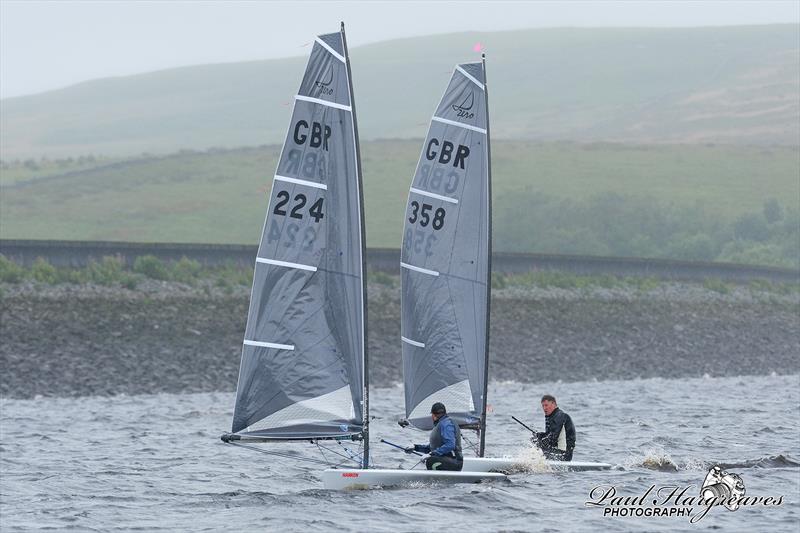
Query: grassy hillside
[(700, 192), (688, 85)]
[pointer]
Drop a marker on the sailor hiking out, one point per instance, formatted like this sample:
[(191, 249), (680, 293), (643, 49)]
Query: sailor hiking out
[(445, 442), (558, 440)]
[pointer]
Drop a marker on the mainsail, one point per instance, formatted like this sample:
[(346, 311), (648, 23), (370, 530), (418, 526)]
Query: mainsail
[(445, 259), (303, 367)]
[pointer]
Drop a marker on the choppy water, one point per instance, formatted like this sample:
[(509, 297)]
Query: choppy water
[(155, 462)]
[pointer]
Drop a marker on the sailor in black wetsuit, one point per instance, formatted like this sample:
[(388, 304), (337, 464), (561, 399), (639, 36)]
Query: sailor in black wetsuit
[(558, 439), (445, 442)]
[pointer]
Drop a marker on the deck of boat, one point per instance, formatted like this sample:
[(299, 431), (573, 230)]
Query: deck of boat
[(508, 464), (336, 479)]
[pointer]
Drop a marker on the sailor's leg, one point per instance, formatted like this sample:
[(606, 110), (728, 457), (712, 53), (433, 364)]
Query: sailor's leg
[(554, 454), (444, 463), (432, 462)]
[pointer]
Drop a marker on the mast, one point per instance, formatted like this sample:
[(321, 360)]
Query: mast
[(365, 359), (489, 269)]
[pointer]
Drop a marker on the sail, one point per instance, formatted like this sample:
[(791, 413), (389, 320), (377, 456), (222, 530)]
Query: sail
[(303, 356), (445, 259)]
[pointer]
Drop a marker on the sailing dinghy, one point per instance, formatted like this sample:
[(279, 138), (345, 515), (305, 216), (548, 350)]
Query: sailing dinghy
[(446, 270), (303, 374)]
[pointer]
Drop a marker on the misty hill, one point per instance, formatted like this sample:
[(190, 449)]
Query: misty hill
[(737, 85)]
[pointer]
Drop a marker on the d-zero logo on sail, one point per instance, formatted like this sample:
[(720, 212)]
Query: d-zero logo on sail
[(463, 109), (323, 83)]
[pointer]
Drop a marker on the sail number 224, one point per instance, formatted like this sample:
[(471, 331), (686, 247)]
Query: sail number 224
[(299, 202), (294, 208)]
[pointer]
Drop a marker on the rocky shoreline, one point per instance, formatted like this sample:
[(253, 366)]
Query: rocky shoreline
[(68, 340)]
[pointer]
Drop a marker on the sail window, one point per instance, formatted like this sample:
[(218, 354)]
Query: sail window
[(336, 405), (457, 397)]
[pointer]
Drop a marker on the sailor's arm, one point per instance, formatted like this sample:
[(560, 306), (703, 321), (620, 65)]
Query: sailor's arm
[(549, 438), (569, 427)]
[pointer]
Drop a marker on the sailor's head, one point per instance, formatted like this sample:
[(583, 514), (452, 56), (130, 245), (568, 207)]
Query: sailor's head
[(438, 410), (548, 404)]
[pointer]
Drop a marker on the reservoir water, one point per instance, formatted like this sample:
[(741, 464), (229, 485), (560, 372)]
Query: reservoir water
[(155, 462)]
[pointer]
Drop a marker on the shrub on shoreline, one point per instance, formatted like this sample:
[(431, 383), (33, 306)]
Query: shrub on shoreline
[(150, 266), (10, 272), (620, 225), (112, 271)]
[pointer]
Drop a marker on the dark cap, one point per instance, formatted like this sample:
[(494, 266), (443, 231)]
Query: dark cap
[(438, 409)]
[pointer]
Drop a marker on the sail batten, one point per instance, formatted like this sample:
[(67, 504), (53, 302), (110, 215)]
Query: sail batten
[(458, 124), (303, 357), (335, 54), (302, 182), (444, 259), (469, 76), (263, 344), (419, 269), (412, 343), (323, 102), (286, 264), (434, 195)]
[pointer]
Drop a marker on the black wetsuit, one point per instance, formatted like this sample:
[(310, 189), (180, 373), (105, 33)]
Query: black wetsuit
[(548, 441)]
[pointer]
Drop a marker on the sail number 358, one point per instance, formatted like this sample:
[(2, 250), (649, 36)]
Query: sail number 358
[(424, 216)]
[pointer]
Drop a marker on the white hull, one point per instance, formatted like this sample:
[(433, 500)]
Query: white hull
[(353, 478), (511, 464)]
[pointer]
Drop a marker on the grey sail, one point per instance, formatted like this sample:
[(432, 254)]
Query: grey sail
[(302, 372), (445, 259)]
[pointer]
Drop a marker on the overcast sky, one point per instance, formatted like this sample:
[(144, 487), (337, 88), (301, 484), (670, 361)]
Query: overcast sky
[(48, 45)]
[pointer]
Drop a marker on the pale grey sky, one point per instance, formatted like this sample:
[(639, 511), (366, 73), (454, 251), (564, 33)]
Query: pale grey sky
[(46, 45)]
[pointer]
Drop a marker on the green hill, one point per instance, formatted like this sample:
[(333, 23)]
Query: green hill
[(737, 85), (682, 201)]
